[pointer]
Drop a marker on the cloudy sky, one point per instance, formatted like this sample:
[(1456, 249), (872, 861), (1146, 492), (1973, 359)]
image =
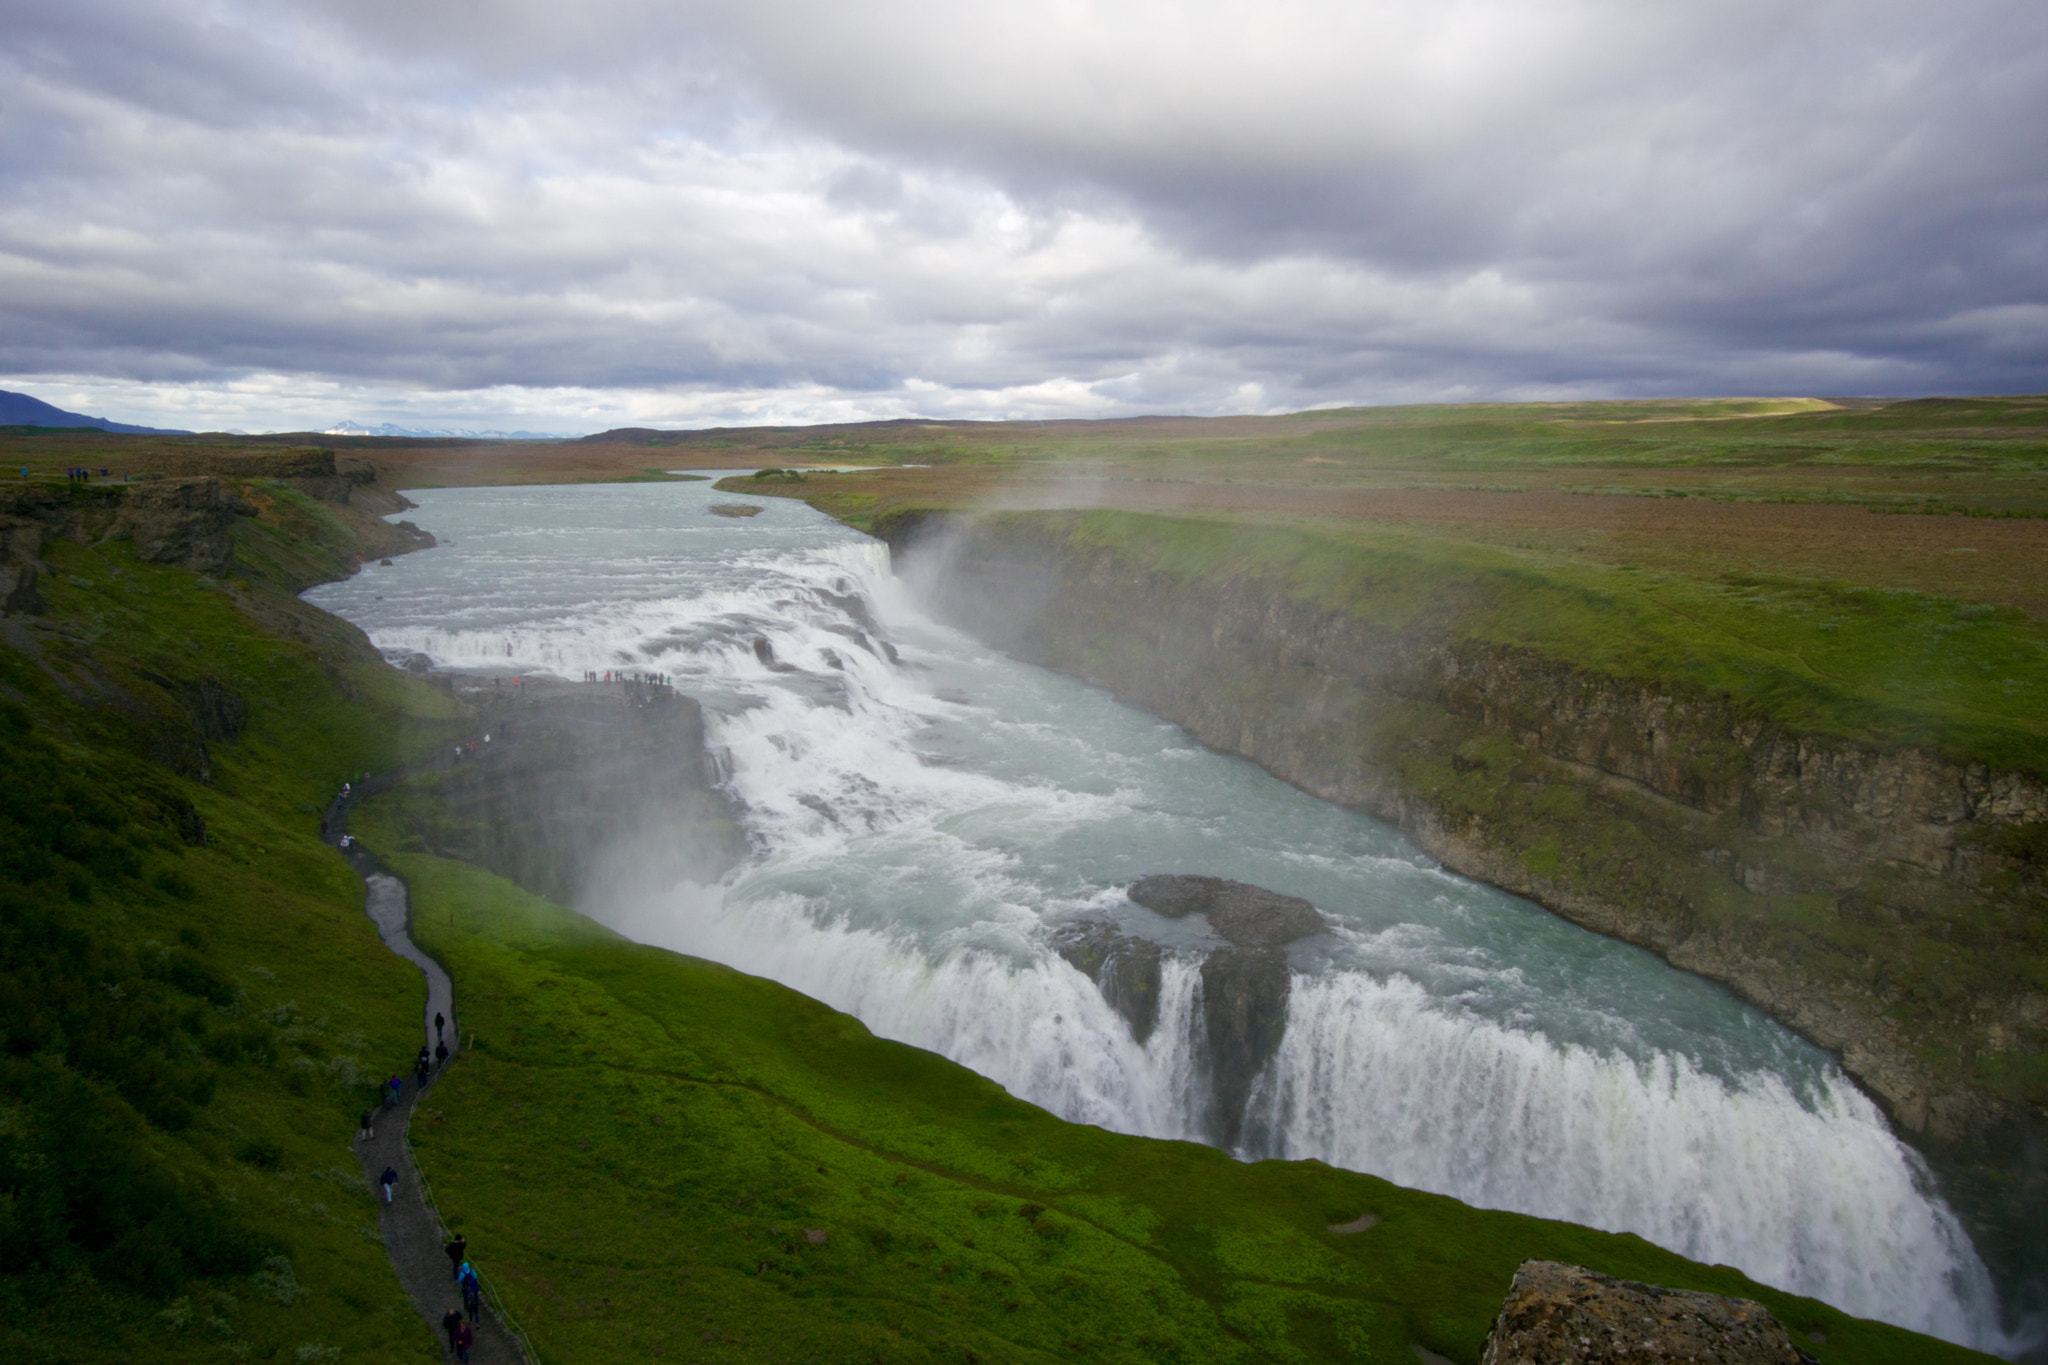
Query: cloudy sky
[(565, 217)]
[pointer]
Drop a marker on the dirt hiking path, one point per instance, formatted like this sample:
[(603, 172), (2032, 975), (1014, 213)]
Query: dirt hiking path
[(412, 1229)]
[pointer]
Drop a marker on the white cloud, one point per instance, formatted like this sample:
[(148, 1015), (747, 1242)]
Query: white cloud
[(527, 215)]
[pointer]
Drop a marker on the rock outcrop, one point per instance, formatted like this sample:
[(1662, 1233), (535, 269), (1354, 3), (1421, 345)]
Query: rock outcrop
[(190, 520), (1244, 985), (1559, 1314), (1125, 969), (1251, 917), (188, 523)]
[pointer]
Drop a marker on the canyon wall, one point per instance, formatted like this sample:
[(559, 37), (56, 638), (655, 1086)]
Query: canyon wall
[(1884, 903), (585, 791)]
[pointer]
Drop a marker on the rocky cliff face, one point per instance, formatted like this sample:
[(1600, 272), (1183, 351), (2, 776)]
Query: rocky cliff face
[(1245, 983), (186, 522), (1886, 903), (581, 785)]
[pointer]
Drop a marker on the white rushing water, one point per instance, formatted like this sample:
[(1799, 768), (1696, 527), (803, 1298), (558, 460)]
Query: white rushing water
[(922, 826)]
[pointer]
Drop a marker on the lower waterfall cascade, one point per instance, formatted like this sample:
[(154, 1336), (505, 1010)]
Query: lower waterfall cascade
[(925, 813)]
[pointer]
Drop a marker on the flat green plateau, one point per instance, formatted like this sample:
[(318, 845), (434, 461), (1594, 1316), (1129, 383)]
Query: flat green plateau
[(639, 1141)]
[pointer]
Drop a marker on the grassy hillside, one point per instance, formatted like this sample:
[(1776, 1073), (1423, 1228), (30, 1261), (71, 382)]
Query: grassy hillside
[(641, 1141), (194, 1005)]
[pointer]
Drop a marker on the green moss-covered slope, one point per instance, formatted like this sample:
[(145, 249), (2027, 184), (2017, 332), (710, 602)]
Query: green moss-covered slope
[(193, 1005)]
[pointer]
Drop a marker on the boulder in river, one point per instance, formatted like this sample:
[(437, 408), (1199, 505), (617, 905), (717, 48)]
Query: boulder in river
[(1244, 986), (1557, 1313), (1248, 916)]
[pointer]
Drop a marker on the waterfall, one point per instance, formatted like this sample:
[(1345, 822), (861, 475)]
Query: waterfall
[(927, 813)]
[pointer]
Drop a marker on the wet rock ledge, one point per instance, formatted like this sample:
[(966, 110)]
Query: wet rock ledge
[(1244, 986)]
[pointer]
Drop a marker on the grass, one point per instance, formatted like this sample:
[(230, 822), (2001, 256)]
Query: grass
[(640, 1141), (213, 1006)]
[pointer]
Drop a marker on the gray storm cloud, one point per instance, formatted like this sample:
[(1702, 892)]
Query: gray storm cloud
[(662, 212)]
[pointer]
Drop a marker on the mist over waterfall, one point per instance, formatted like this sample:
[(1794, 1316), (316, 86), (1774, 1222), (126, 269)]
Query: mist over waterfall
[(926, 815)]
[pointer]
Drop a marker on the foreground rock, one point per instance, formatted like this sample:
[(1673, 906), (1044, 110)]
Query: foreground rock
[(1558, 1313), (1244, 986)]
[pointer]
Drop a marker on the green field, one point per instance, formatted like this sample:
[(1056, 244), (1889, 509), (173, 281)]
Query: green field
[(1968, 680)]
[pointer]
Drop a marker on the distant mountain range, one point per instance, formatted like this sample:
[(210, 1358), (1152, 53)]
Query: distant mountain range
[(460, 433), (20, 410)]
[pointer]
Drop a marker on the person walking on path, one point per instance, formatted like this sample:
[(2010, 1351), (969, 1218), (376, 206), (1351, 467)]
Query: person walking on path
[(472, 1292), (465, 1337), (364, 1131), (458, 1256), (439, 1023), (440, 1054), (388, 1180), (395, 1087), (451, 1320)]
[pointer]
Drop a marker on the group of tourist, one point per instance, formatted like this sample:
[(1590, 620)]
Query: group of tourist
[(591, 675), (423, 1068), (460, 1324)]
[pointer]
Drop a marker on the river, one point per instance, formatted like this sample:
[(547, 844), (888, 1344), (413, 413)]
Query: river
[(921, 825)]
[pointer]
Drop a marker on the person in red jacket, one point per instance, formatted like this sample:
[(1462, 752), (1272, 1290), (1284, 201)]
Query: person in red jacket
[(465, 1337)]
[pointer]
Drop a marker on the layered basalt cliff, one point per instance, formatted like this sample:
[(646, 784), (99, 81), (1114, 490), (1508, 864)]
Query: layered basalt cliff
[(584, 791), (1884, 902)]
